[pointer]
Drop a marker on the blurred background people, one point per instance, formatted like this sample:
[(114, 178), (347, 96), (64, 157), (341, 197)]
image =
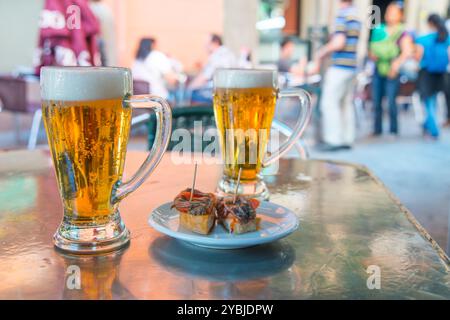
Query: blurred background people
[(447, 98), (447, 77), (107, 36), (219, 56), (286, 62), (390, 47), (71, 43), (433, 53), (338, 120), (154, 67)]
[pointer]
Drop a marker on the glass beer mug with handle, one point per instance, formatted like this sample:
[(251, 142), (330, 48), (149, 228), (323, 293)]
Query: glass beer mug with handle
[(87, 115), (244, 106)]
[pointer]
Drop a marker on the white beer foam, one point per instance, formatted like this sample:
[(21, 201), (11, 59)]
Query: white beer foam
[(245, 78), (84, 83)]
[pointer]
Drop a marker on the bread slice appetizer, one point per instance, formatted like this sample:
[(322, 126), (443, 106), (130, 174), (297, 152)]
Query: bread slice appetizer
[(199, 214), (239, 216)]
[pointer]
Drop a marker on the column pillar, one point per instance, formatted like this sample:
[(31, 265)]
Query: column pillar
[(239, 29)]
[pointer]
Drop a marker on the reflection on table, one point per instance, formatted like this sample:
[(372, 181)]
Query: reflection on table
[(349, 223)]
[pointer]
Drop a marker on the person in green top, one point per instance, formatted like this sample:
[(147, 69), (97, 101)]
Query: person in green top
[(390, 47)]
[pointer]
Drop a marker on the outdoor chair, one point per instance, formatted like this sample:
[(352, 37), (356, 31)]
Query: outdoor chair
[(141, 87), (185, 117), (22, 96), (139, 116)]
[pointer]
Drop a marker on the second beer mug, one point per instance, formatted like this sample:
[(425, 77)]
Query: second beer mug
[(87, 115), (244, 106)]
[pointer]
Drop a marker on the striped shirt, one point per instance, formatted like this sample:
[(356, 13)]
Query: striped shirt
[(347, 23)]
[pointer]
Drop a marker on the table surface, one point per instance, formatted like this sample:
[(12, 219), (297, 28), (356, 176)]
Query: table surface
[(349, 222)]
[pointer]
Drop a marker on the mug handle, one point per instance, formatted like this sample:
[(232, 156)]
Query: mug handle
[(163, 130), (300, 126)]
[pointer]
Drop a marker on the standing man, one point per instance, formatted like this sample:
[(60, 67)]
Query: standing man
[(338, 119)]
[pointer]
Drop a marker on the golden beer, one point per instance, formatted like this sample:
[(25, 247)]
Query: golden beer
[(88, 149), (87, 115), (244, 107), (244, 118)]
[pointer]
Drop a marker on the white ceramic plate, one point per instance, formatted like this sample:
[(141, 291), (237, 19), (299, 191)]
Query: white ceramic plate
[(276, 222)]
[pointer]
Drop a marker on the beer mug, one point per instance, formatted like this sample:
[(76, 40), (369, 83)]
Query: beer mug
[(244, 106), (87, 115)]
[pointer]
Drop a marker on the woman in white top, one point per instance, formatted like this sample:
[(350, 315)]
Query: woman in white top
[(154, 67)]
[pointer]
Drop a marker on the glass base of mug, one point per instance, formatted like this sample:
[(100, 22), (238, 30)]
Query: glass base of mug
[(89, 239), (254, 189)]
